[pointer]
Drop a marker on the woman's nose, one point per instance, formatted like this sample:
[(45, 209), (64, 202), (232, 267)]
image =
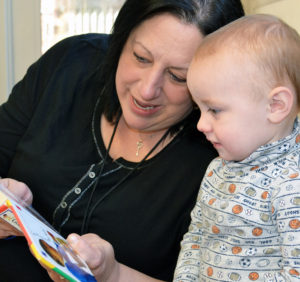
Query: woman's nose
[(151, 85)]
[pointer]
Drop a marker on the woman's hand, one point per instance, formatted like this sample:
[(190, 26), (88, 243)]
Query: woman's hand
[(22, 191), (18, 188), (97, 253), (99, 256)]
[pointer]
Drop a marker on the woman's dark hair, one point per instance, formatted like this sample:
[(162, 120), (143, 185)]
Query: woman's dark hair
[(207, 15)]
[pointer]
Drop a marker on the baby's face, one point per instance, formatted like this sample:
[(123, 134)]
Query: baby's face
[(231, 118)]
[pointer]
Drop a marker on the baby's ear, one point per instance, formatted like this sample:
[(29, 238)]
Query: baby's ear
[(280, 104)]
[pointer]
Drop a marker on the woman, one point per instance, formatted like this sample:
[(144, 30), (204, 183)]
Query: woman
[(102, 130)]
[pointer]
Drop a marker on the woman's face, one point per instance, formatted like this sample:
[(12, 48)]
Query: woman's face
[(151, 75)]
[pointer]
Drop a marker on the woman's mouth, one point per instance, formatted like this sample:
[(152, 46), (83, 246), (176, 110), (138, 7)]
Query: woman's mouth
[(143, 107)]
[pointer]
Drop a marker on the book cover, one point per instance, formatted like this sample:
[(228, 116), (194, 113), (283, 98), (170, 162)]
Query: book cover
[(46, 244)]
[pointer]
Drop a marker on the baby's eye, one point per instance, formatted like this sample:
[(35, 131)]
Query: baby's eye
[(140, 59), (214, 110)]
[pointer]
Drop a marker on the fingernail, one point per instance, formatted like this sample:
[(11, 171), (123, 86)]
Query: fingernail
[(72, 239)]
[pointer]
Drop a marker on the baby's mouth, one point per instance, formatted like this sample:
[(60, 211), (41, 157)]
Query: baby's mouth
[(143, 107)]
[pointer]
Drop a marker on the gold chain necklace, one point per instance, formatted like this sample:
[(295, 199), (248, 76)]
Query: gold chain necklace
[(90, 209), (139, 145)]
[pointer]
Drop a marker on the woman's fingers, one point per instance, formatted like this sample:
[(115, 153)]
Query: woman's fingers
[(18, 188), (97, 253), (7, 230), (22, 191), (88, 247)]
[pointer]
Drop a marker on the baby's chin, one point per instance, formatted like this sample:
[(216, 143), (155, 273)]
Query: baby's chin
[(230, 158)]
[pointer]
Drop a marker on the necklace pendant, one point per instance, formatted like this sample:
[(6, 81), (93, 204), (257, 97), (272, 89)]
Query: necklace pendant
[(139, 145)]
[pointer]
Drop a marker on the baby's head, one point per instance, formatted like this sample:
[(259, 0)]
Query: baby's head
[(245, 79)]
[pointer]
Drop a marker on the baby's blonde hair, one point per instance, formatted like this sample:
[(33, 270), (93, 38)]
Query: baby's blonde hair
[(266, 41)]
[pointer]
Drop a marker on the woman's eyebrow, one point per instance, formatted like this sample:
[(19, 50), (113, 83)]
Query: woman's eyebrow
[(134, 41), (142, 45), (179, 68)]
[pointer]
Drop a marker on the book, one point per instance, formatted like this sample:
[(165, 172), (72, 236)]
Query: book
[(46, 244)]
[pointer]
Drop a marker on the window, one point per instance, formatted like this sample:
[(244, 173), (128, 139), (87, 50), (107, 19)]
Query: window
[(62, 18), (30, 27)]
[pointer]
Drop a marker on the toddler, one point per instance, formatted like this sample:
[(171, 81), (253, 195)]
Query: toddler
[(245, 226)]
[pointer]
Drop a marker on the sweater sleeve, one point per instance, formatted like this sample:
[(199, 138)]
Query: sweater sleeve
[(15, 116), (17, 113)]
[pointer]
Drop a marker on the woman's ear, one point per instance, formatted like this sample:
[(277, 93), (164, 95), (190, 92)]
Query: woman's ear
[(281, 101)]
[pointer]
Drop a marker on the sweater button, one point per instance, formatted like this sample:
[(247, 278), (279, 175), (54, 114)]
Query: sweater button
[(77, 190)]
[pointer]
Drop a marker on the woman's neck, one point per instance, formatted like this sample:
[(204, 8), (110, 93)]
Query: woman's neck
[(131, 144)]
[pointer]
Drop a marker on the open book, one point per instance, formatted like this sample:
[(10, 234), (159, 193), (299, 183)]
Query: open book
[(46, 244)]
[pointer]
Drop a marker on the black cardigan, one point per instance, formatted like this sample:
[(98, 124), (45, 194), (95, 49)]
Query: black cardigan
[(48, 140)]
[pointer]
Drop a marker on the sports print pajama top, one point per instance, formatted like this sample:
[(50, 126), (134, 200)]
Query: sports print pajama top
[(246, 222)]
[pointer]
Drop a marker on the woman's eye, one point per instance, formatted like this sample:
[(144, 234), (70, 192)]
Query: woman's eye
[(176, 78), (139, 58)]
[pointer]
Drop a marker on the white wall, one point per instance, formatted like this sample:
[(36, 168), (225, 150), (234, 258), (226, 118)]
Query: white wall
[(3, 57), (251, 5), (27, 34), (287, 10), (20, 42)]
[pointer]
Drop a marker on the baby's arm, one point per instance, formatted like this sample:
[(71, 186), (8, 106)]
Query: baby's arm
[(286, 215), (188, 263)]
